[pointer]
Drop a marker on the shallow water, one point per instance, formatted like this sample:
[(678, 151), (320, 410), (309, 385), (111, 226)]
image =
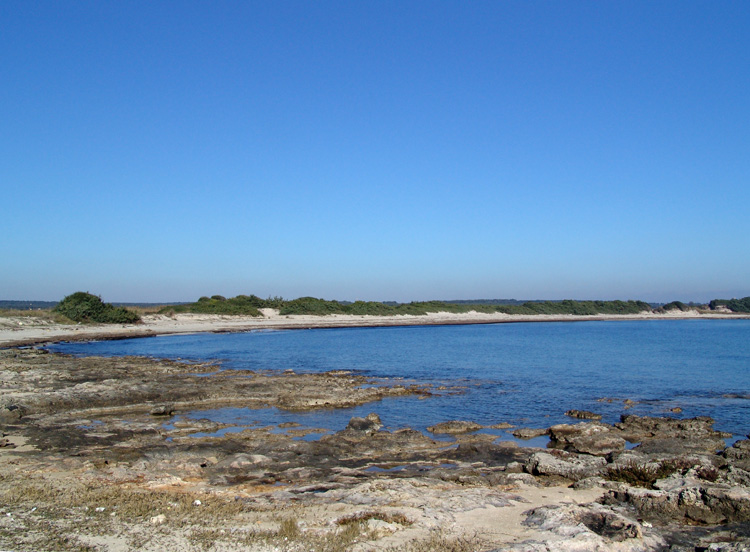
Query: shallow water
[(527, 374)]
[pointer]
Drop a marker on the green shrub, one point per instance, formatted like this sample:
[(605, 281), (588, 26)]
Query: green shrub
[(85, 307), (240, 305)]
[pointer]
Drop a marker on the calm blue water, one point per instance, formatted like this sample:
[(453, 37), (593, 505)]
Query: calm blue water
[(526, 374)]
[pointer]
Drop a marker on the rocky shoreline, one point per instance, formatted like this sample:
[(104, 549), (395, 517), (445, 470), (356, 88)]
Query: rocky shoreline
[(97, 454)]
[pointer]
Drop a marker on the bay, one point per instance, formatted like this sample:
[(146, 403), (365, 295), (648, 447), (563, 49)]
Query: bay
[(526, 374)]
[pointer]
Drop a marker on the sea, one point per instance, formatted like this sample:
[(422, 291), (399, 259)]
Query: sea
[(523, 374)]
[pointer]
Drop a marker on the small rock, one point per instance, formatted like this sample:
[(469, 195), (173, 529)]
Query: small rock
[(162, 410), (501, 425), (454, 427), (158, 520), (583, 415), (529, 433), (369, 424), (197, 502), (11, 413)]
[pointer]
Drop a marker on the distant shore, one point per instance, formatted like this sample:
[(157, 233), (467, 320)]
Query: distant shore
[(19, 331)]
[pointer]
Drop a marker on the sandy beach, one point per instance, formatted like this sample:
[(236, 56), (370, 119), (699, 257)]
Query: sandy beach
[(17, 331)]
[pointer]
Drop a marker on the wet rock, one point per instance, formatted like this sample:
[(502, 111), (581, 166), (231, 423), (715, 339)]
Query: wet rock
[(162, 410), (369, 424), (659, 435), (739, 454), (491, 454), (569, 466), (501, 425), (586, 438), (454, 426), (583, 415), (528, 433)]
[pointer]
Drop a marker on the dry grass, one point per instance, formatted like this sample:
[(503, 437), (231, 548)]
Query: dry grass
[(46, 316), (361, 517), (59, 516), (444, 543)]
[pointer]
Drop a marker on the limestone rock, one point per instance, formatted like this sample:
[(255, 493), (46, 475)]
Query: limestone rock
[(686, 499), (570, 466), (586, 438)]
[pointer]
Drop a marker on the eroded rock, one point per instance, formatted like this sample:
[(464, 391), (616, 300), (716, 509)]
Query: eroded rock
[(563, 464)]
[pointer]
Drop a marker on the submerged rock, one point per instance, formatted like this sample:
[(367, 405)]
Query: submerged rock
[(583, 414)]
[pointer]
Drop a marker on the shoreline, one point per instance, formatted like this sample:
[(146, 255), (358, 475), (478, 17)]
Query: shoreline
[(104, 453), (25, 331)]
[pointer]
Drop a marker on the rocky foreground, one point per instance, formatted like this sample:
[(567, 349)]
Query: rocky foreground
[(96, 454)]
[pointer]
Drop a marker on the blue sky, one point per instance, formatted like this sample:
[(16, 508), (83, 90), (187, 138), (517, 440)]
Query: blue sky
[(160, 151)]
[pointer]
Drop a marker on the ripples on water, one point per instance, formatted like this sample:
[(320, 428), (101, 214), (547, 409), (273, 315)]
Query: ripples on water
[(526, 374)]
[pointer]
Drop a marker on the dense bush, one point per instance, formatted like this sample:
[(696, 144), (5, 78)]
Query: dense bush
[(674, 305), (734, 305), (85, 307)]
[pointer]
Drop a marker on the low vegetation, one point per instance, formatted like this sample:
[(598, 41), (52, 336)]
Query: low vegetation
[(86, 307)]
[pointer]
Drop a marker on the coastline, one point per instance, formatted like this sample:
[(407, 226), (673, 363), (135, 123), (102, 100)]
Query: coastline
[(23, 331)]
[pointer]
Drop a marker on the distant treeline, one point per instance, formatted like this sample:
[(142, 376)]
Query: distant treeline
[(85, 307), (251, 305)]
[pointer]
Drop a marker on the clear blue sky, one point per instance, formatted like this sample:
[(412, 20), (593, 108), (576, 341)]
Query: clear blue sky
[(160, 151)]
